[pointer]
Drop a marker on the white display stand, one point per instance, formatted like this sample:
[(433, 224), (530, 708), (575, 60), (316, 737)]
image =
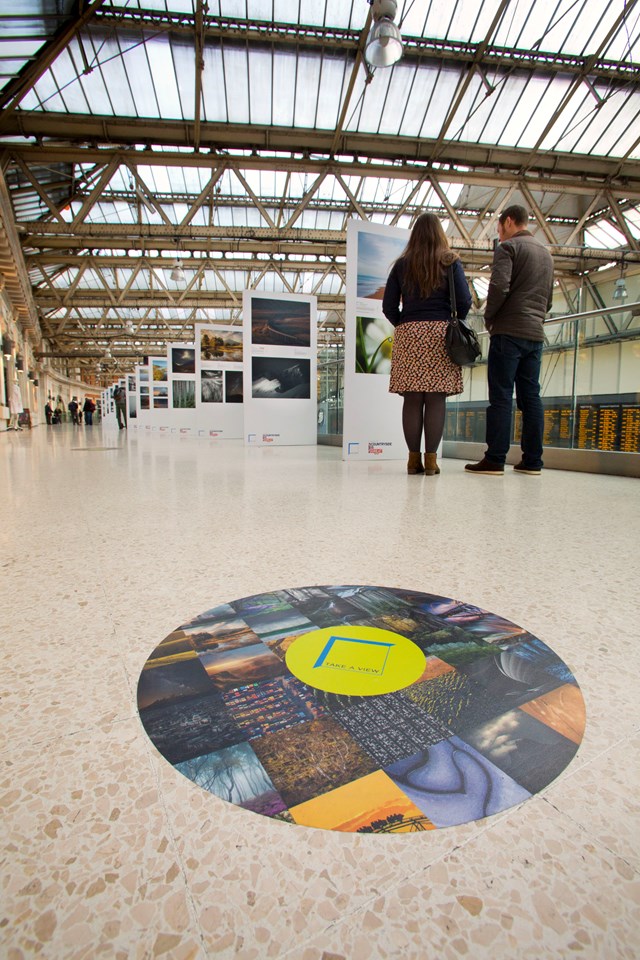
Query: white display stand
[(108, 408), (372, 423), (159, 418), (181, 373), (131, 382), (143, 389), (280, 369), (219, 381)]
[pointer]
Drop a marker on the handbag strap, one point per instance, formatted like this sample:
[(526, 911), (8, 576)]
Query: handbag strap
[(452, 294)]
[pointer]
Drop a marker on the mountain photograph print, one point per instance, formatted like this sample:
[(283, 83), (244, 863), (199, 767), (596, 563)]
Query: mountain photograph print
[(217, 345), (280, 323)]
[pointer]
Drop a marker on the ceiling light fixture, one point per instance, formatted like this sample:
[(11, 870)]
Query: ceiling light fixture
[(177, 273), (384, 43), (620, 292)]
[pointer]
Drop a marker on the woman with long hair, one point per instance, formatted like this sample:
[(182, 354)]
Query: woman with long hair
[(417, 303)]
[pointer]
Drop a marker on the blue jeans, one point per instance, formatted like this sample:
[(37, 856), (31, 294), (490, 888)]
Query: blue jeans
[(513, 361)]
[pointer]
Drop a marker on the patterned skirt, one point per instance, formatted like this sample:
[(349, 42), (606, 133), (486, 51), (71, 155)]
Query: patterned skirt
[(419, 361)]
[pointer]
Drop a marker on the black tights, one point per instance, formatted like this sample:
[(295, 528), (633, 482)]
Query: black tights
[(423, 411)]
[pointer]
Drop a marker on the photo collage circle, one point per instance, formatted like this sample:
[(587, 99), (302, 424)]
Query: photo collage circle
[(361, 709)]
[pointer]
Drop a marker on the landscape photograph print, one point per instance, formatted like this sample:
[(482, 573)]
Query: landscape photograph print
[(376, 256), (184, 394), (233, 390), (280, 323), (280, 378), (183, 360), (217, 344), (161, 397), (211, 386), (159, 367)]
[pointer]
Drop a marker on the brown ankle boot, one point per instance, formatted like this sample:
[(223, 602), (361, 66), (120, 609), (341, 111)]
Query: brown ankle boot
[(415, 463), (430, 465)]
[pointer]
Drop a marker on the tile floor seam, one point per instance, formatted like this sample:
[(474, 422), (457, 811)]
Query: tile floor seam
[(592, 838), (70, 733), (394, 885), (191, 905)]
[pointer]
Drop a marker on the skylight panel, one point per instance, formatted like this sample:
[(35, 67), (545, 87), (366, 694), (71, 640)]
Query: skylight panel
[(307, 82), (604, 235), (47, 93), (398, 92), (468, 20), (284, 85), (164, 77), (109, 75), (434, 101), (232, 9), (613, 130), (312, 13), (374, 103), (341, 13), (260, 93), (334, 78), (158, 179), (66, 77), (237, 84), (183, 70), (632, 216), (539, 101)]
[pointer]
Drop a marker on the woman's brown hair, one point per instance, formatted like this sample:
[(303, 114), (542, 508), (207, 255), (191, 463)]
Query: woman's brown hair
[(426, 256)]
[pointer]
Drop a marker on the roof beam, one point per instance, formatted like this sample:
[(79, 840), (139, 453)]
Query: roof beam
[(482, 166)]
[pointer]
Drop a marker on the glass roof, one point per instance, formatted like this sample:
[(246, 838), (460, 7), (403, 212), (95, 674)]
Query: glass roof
[(482, 92), (527, 92)]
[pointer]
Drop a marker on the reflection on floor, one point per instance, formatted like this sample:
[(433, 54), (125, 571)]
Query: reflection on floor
[(108, 851)]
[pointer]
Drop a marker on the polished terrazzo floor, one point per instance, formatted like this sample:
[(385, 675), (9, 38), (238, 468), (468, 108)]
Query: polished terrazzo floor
[(110, 541)]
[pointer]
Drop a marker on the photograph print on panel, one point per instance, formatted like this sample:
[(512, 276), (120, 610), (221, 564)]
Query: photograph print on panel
[(280, 322), (280, 378), (217, 344), (211, 386), (184, 394), (183, 360)]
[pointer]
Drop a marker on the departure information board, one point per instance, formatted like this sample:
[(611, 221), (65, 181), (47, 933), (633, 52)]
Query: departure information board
[(609, 422)]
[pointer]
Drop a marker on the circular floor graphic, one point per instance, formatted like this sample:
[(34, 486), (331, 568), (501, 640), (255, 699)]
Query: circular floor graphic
[(361, 709)]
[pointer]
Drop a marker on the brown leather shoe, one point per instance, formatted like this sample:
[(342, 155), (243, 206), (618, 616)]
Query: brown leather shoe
[(414, 464), (486, 467), (430, 465)]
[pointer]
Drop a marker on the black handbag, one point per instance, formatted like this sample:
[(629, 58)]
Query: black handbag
[(460, 342)]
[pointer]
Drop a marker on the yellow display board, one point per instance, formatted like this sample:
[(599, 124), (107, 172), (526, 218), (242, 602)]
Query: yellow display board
[(357, 661)]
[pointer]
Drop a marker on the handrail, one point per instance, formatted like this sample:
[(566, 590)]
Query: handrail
[(634, 307)]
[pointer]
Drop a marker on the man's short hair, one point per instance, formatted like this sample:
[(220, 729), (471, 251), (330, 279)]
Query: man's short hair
[(519, 215)]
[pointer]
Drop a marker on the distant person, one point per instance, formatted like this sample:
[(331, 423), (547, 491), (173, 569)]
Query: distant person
[(519, 298), (15, 406), (48, 412), (58, 413), (120, 397), (88, 408), (73, 410), (421, 371)]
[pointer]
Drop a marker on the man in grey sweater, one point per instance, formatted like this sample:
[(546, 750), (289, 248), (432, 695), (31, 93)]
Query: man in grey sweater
[(519, 298)]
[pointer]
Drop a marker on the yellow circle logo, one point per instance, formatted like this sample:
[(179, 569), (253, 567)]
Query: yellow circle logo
[(355, 661)]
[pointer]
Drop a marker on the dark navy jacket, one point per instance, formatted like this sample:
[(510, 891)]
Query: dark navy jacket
[(415, 307)]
